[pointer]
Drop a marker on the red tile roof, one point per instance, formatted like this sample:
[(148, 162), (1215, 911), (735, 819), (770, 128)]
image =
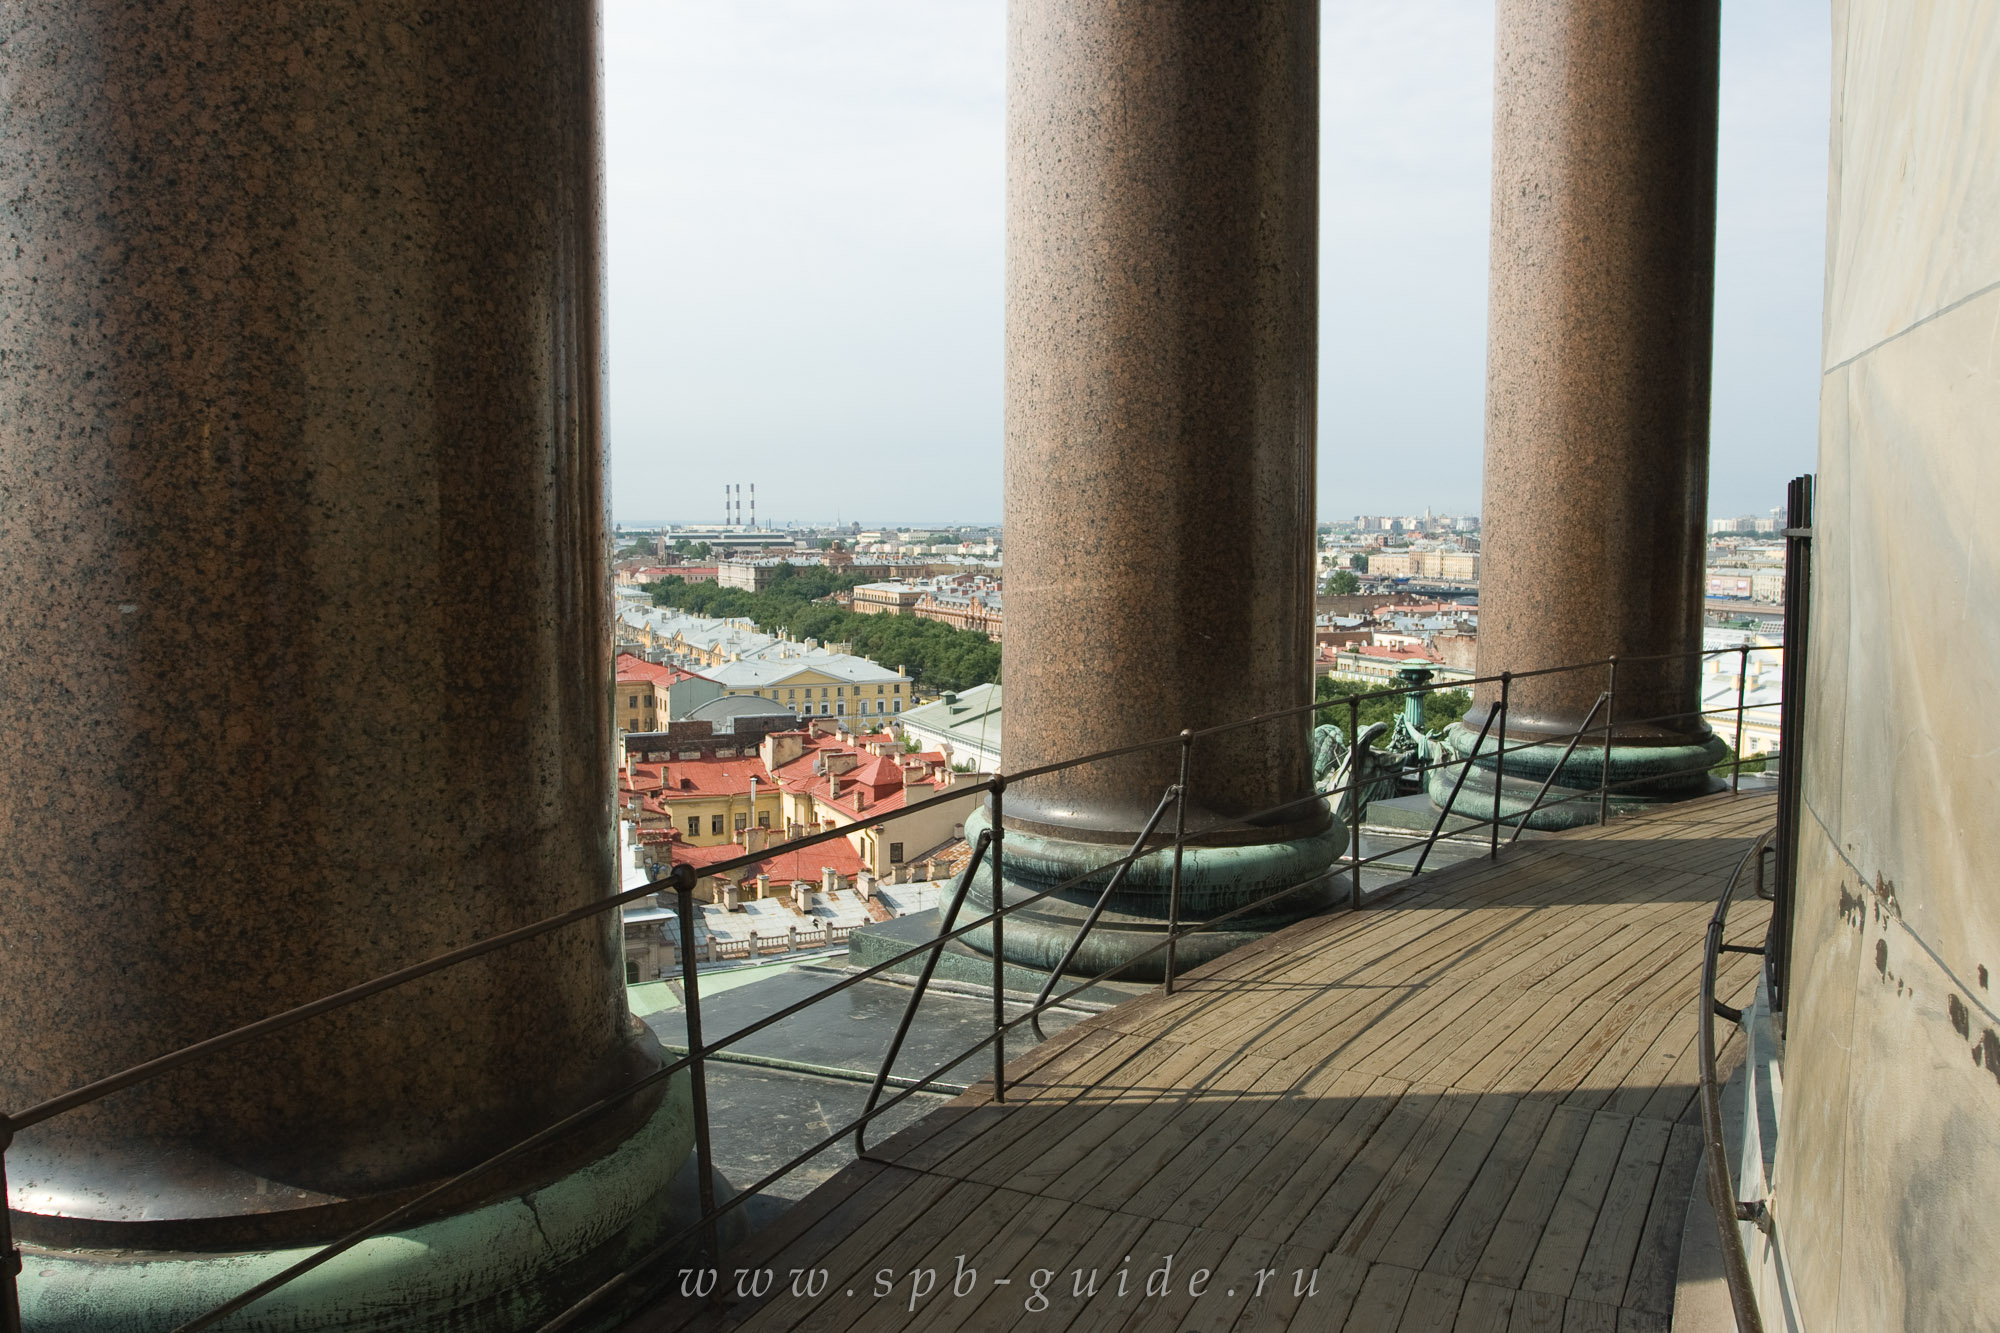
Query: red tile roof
[(836, 854), (640, 777), (879, 772), (632, 667), (704, 779)]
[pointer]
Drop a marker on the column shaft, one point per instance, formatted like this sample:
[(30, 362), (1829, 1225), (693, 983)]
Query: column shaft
[(1162, 187), (1161, 307), (303, 604), (1603, 265)]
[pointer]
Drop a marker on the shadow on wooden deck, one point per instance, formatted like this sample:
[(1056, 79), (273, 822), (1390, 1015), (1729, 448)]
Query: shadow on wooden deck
[(1469, 1107)]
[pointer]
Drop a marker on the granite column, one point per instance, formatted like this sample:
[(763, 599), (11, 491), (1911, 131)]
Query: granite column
[(1161, 307), (1600, 315), (303, 647)]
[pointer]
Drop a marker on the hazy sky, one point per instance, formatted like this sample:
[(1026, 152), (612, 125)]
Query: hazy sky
[(806, 240)]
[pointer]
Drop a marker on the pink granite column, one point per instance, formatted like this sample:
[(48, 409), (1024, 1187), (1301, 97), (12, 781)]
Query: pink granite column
[(1161, 311), (303, 603), (1598, 372)]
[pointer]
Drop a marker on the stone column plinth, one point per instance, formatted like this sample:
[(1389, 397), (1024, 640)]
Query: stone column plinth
[(303, 636), (1161, 306), (1602, 293)]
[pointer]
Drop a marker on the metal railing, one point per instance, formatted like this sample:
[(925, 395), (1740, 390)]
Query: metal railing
[(682, 880), (1729, 1210), (1798, 615)]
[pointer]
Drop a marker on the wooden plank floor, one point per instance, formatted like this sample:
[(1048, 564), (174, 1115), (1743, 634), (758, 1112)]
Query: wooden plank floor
[(1470, 1106)]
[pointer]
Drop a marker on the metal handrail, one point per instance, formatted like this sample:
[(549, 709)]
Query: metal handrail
[(682, 881), (1729, 1211), (1568, 750), (945, 925), (1451, 801), (1174, 797), (672, 1243)]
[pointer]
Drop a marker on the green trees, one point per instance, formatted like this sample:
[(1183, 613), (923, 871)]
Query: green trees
[(1751, 764), (1341, 583), (1441, 707), (937, 656)]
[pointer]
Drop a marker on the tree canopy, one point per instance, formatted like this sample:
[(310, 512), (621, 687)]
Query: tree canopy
[(1441, 707), (1342, 583), (937, 656)]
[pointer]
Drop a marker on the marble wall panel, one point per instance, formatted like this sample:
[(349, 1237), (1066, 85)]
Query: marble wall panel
[(1925, 233), (1810, 1177), (1887, 1169), (1830, 639), (1920, 781), (1918, 1231)]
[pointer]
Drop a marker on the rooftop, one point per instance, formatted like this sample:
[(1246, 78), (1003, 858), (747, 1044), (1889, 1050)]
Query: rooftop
[(969, 718), (630, 667)]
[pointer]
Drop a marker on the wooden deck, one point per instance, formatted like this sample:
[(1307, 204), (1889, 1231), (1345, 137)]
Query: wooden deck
[(1471, 1106)]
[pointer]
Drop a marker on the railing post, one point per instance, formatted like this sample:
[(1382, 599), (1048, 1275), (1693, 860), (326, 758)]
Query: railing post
[(999, 946), (10, 1257), (1742, 688), (1500, 764), (1451, 802), (948, 919), (684, 882), (1180, 840), (1610, 725), (1354, 798)]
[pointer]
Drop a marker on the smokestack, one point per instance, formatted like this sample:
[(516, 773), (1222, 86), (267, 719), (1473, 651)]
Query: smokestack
[(725, 504), (753, 506)]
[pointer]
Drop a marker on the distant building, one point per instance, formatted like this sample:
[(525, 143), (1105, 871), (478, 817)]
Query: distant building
[(749, 575), (708, 788), (723, 539), (963, 601), (974, 607), (651, 694), (819, 684), (703, 799), (1377, 664), (1761, 674), (890, 598), (964, 726), (852, 786), (1446, 565)]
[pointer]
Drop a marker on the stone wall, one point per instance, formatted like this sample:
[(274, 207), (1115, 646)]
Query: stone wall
[(1886, 1173)]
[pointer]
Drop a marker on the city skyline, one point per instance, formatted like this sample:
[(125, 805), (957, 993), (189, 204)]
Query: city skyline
[(805, 229)]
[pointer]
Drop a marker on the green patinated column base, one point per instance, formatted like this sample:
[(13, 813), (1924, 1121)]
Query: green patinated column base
[(1642, 777), (1134, 926), (508, 1266)]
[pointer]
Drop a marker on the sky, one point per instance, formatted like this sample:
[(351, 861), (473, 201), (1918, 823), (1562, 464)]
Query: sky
[(805, 232)]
